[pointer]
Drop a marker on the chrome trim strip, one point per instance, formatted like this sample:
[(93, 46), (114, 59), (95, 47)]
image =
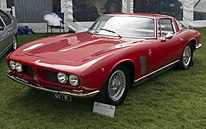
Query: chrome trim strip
[(91, 94), (156, 71), (198, 46)]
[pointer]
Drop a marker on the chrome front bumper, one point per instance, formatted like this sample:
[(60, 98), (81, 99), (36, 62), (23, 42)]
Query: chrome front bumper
[(80, 95), (198, 46)]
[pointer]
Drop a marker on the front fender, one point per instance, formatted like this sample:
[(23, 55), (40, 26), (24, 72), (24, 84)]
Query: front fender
[(96, 76)]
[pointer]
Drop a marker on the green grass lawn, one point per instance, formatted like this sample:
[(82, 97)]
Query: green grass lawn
[(174, 99)]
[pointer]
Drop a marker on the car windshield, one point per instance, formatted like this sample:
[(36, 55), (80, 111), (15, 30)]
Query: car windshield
[(124, 26)]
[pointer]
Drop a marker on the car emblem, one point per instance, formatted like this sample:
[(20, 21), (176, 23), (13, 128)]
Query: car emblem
[(36, 78)]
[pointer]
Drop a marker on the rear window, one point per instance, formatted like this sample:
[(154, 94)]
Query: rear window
[(180, 25)]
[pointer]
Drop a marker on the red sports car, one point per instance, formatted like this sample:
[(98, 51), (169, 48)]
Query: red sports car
[(116, 51)]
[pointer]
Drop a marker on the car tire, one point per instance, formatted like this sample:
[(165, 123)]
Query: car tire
[(14, 44), (116, 87), (187, 56)]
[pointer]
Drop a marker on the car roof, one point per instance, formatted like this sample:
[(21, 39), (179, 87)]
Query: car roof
[(150, 15)]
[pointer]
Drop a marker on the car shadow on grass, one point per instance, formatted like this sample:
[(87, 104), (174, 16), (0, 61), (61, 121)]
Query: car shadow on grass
[(34, 101)]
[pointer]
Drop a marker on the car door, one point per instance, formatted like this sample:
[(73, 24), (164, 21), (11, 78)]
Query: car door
[(3, 37), (144, 49), (168, 49), (6, 35), (10, 25)]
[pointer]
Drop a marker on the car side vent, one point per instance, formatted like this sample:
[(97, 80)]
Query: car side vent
[(143, 62)]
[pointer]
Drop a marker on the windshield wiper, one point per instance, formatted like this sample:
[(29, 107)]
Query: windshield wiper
[(92, 31), (111, 32)]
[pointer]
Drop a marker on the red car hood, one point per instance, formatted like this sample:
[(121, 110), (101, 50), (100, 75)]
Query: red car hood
[(70, 52), (72, 48)]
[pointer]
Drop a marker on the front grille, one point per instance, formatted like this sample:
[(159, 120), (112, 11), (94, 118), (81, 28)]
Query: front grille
[(28, 70), (47, 75), (51, 76)]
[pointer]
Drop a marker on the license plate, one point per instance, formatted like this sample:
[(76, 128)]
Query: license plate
[(62, 97)]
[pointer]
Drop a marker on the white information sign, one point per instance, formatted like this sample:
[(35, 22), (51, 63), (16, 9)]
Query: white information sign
[(104, 109)]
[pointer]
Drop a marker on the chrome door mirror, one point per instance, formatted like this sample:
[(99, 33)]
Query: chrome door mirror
[(169, 35)]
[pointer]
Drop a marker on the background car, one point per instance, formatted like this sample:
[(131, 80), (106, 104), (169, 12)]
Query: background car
[(105, 60), (8, 31)]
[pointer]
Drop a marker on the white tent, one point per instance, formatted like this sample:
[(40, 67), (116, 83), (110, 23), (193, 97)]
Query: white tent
[(192, 13)]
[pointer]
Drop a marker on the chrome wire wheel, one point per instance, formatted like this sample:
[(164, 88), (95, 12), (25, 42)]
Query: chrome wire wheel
[(186, 57), (116, 85)]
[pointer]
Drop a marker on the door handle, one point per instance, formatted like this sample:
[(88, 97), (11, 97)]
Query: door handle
[(150, 52)]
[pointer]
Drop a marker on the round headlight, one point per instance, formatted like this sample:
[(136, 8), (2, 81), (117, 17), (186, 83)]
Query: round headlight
[(62, 78), (73, 80), (19, 67), (12, 65)]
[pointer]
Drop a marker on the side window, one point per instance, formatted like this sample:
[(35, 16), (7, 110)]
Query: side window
[(6, 18), (180, 25), (164, 27), (1, 22)]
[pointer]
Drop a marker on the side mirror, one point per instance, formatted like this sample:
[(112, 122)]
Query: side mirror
[(1, 28), (168, 36)]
